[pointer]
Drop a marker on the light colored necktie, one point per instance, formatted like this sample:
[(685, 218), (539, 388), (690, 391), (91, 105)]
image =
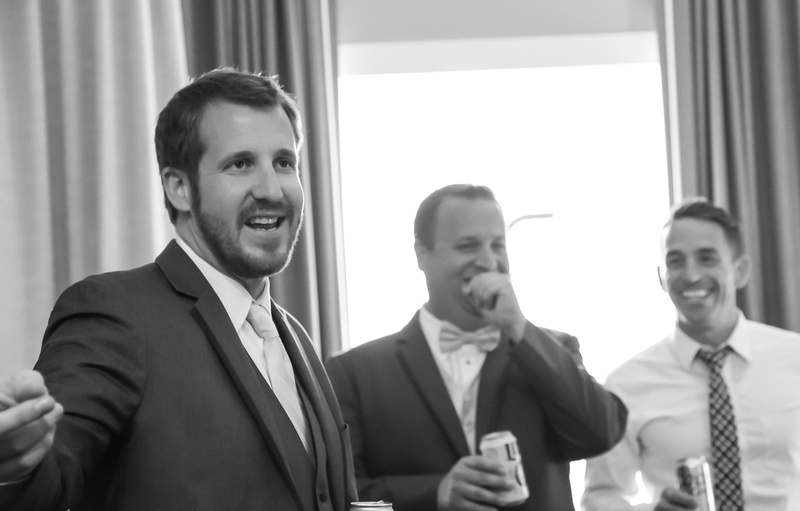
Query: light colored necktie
[(727, 473), (451, 337), (279, 369)]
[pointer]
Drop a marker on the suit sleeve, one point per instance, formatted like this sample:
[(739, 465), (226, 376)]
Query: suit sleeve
[(417, 491), (93, 364), (584, 418)]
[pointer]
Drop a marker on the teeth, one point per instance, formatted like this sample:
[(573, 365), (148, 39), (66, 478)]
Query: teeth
[(697, 293), (264, 221)]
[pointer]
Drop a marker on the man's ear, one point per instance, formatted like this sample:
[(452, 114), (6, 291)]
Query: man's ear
[(177, 188), (662, 278), (422, 254), (743, 268)]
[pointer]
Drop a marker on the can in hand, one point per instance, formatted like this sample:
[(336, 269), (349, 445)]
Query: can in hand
[(694, 477), (502, 447), (371, 506)]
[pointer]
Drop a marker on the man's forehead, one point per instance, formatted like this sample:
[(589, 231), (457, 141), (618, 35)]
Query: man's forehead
[(693, 235)]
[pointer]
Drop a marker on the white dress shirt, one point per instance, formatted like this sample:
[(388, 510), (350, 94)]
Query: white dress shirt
[(666, 391), (460, 370), (236, 300)]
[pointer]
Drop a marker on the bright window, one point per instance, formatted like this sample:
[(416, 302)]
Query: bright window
[(584, 144)]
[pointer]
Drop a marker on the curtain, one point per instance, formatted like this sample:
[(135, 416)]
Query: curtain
[(732, 89), (295, 41), (81, 83)]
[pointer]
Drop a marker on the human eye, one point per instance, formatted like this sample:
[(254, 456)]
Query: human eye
[(238, 165), (466, 246), (709, 258), (674, 261), (286, 164)]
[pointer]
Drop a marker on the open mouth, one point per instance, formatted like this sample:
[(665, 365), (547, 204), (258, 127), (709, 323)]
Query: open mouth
[(264, 223), (695, 294)]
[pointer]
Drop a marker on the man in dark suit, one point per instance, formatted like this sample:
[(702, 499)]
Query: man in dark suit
[(180, 385), (417, 406)]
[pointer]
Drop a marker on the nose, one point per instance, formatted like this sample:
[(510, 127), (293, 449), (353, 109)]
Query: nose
[(266, 185), (692, 272), (487, 259)]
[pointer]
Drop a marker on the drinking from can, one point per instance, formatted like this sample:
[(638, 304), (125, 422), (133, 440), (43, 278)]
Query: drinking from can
[(501, 446), (371, 506), (694, 477)]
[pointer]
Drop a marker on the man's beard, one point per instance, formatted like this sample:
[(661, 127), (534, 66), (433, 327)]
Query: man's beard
[(224, 244)]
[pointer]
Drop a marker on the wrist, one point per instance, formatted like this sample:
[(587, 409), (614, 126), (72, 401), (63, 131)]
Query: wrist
[(516, 331)]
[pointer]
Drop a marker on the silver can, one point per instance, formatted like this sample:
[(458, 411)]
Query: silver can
[(501, 446), (694, 477), (371, 506)]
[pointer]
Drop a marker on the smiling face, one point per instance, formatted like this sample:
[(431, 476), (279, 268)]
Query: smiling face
[(247, 204), (701, 275), (469, 238)]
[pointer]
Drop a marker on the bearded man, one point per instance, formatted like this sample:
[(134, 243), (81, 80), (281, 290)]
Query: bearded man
[(181, 385)]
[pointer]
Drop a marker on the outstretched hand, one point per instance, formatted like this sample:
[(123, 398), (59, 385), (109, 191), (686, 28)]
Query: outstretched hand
[(28, 417), (473, 484)]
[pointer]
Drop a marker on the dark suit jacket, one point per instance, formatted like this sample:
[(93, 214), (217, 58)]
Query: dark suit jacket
[(406, 434), (164, 410)]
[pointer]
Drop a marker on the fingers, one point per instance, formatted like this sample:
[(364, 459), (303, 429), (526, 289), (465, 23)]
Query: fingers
[(481, 466), (19, 387), (26, 414), (493, 296), (673, 499), (27, 430), (472, 484), (28, 446), (485, 289)]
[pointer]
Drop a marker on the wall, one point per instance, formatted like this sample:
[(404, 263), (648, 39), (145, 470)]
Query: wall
[(365, 21)]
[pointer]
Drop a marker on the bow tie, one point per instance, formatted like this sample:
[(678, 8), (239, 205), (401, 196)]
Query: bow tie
[(452, 338)]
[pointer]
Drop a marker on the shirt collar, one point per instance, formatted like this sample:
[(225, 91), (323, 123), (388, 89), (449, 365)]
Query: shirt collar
[(686, 348), (431, 327), (233, 295)]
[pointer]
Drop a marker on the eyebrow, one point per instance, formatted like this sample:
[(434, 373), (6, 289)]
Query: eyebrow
[(290, 153), (238, 155), (250, 155)]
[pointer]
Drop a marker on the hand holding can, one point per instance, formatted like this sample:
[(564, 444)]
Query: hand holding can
[(502, 447), (694, 478)]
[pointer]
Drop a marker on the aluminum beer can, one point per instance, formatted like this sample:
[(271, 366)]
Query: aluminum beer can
[(501, 446), (371, 506), (694, 477)]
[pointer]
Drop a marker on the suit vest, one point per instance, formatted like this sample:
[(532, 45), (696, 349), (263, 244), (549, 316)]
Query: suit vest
[(309, 475)]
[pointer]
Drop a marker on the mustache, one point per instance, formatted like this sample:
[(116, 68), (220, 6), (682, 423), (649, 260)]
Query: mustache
[(262, 207)]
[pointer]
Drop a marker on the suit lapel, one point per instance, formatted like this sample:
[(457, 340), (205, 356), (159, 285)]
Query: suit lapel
[(415, 355), (493, 376), (215, 322)]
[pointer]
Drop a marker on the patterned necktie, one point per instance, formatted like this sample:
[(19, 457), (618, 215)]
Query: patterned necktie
[(281, 376), (451, 337), (727, 474)]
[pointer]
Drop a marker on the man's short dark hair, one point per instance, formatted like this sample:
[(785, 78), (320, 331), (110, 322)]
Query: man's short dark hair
[(177, 137), (425, 220), (701, 208)]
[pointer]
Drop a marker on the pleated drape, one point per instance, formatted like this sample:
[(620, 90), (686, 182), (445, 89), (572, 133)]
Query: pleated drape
[(81, 83), (732, 82)]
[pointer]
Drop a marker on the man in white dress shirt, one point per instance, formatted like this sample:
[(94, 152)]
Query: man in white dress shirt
[(666, 387)]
